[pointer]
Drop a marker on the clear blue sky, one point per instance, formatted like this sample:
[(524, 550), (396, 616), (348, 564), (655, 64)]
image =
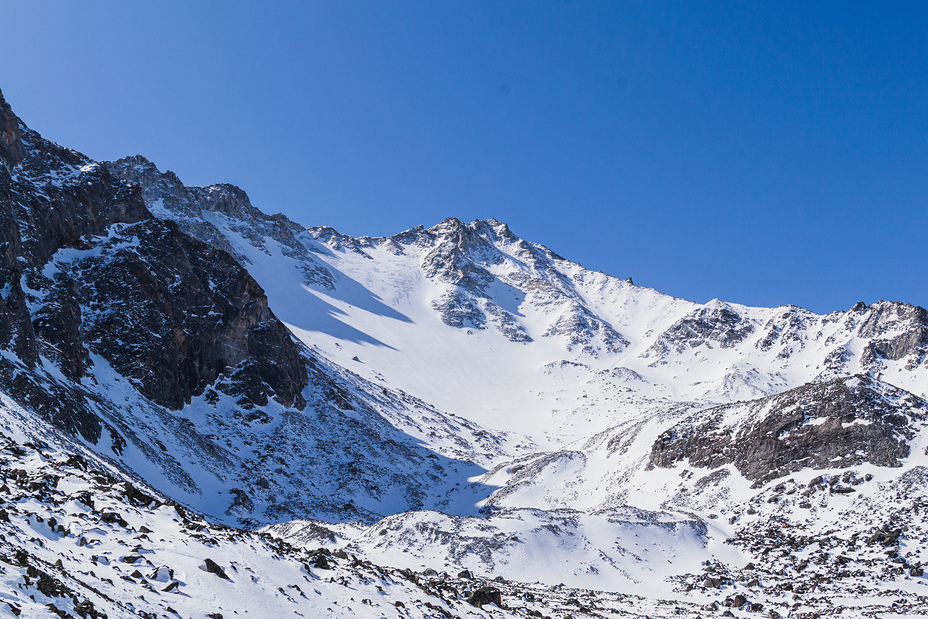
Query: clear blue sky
[(761, 153)]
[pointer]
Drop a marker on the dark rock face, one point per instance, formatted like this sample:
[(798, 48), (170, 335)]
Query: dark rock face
[(787, 329), (457, 310), (37, 218), (214, 568), (840, 423), (451, 260), (883, 316), (173, 314), (86, 269), (720, 326), (11, 137), (581, 327)]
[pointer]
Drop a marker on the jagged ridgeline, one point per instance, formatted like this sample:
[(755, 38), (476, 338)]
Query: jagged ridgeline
[(88, 271), (146, 339), (452, 400)]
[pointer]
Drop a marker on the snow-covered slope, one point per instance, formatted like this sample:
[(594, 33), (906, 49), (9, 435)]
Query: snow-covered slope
[(592, 379), (160, 352), (450, 400), (81, 540), (626, 339), (507, 334)]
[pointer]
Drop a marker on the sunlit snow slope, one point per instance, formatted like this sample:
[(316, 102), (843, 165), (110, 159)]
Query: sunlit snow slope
[(454, 401), (505, 333)]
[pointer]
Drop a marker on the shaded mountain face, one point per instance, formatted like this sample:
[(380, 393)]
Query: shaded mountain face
[(202, 211), (86, 270)]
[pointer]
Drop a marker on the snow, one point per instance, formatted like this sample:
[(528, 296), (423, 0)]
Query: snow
[(513, 439), (578, 424), (99, 561)]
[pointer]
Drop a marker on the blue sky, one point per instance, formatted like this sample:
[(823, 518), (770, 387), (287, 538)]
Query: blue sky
[(761, 153)]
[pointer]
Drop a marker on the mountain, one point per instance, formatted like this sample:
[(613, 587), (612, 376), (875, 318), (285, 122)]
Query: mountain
[(457, 403)]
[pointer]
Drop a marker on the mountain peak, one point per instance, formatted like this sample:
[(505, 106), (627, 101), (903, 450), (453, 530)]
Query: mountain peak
[(451, 226), (459, 382)]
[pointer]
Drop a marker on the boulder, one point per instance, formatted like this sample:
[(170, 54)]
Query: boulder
[(485, 595), (213, 568)]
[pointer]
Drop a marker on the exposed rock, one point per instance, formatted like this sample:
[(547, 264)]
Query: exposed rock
[(786, 329), (485, 595), (113, 518), (451, 260), (167, 311), (11, 138), (458, 310), (198, 210), (717, 324), (736, 601), (839, 423), (321, 563), (137, 496), (213, 568), (582, 327), (886, 318), (174, 315)]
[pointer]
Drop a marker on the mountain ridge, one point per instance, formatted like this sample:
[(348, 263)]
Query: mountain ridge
[(452, 399)]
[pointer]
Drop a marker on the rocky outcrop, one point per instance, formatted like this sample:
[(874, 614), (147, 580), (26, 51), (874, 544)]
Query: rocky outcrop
[(11, 137), (787, 329), (86, 269), (718, 325), (836, 424), (583, 330), (484, 271), (51, 198), (452, 259), (173, 315), (458, 256)]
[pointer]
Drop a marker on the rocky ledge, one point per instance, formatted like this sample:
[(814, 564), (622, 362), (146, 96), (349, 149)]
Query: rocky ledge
[(835, 424)]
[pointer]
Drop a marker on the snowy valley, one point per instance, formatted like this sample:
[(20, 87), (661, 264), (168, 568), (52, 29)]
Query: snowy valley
[(448, 422)]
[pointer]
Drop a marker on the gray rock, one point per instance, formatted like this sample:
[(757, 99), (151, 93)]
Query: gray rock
[(213, 568), (778, 440), (485, 595), (170, 313)]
